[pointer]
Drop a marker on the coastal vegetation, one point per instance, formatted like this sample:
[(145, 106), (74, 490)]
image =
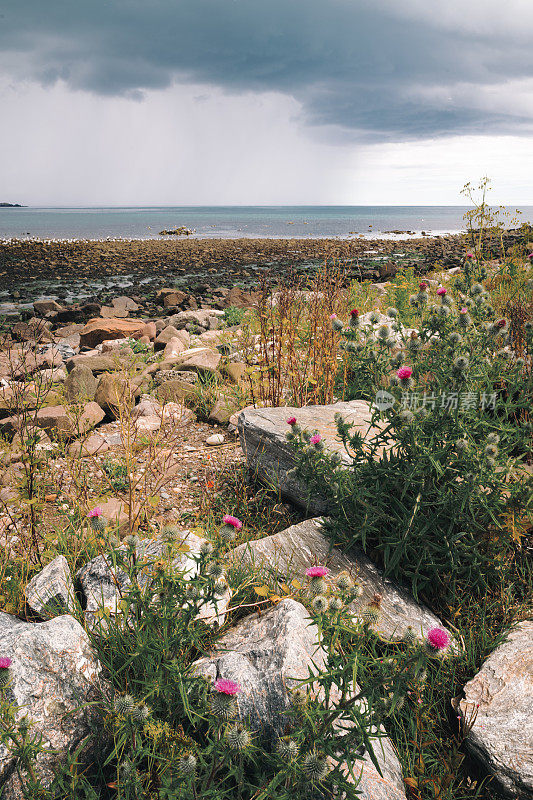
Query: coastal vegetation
[(151, 519)]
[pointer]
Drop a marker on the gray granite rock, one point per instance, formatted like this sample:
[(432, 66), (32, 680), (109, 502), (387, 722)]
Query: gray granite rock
[(500, 701), (54, 675), (290, 552), (263, 436), (270, 654), (51, 592), (104, 585)]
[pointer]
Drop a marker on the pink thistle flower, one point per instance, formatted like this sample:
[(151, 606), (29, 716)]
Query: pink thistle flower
[(470, 255), (441, 291), (404, 373), (317, 572), (501, 323), (438, 639), (530, 256), (5, 663), (316, 439), (291, 421), (463, 310), (333, 316), (95, 512), (233, 521), (227, 687), (423, 286), (354, 312)]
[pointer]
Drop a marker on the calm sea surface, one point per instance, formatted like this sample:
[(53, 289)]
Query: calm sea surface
[(232, 221)]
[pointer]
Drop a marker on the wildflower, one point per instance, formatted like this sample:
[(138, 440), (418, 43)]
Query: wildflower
[(409, 636), (530, 256), (392, 312), (491, 450), (140, 713), (5, 671), (354, 318), (422, 286), (469, 255), (461, 445), (124, 705), (500, 324), (374, 317), (441, 291), (187, 765), (464, 317), (493, 438), (291, 421), (476, 290), (455, 338), (315, 766), (446, 301), (319, 604), (412, 299), (460, 364), (299, 698), (222, 702), (414, 344), (215, 570), (335, 604), (287, 748), (238, 737), (96, 519), (206, 548), (444, 310), (437, 640), (229, 527), (384, 332), (490, 462), (191, 592), (132, 541), (224, 686), (404, 373), (372, 612), (317, 572), (316, 439), (220, 588), (336, 323), (233, 521), (422, 298), (343, 581)]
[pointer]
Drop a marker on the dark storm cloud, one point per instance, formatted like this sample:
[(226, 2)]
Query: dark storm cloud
[(372, 68)]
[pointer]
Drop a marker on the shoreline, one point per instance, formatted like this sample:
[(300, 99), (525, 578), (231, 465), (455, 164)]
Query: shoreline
[(86, 269), (392, 236)]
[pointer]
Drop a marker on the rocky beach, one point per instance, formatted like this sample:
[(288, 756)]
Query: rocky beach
[(88, 271)]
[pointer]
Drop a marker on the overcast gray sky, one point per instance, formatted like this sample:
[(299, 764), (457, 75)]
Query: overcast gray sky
[(264, 101)]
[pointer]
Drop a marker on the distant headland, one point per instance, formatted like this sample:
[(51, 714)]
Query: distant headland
[(11, 205)]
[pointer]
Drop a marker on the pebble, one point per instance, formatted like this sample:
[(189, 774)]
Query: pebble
[(215, 439)]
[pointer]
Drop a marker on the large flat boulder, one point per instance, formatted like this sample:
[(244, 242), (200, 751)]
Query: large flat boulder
[(99, 330), (54, 677), (58, 421), (270, 654), (197, 359), (499, 700), (289, 553), (270, 457)]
